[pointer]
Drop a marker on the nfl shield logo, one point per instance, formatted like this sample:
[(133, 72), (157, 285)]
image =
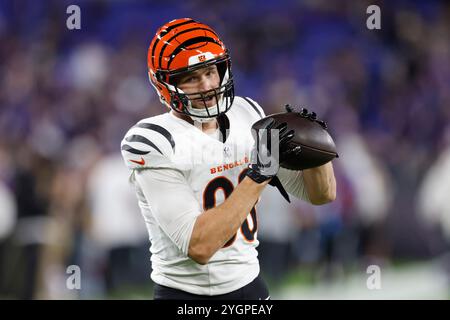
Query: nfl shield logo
[(227, 151)]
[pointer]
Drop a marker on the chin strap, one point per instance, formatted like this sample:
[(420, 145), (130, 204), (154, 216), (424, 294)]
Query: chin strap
[(275, 182)]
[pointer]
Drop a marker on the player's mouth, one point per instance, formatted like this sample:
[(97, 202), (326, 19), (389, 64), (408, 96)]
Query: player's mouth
[(209, 101)]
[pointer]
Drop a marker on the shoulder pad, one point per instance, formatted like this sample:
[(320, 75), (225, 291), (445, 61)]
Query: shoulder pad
[(257, 111)]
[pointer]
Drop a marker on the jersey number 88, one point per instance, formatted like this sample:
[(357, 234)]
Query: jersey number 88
[(209, 201)]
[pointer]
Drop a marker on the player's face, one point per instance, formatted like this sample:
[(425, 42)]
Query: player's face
[(201, 80)]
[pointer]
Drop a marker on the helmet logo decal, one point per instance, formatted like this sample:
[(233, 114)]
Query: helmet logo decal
[(202, 57)]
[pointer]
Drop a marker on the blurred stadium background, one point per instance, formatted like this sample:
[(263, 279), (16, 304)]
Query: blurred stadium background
[(68, 96)]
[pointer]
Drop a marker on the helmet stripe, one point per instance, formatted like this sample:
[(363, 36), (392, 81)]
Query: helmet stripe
[(188, 43), (164, 32), (179, 33)]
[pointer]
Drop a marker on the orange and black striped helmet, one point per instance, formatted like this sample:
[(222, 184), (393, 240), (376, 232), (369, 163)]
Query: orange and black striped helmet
[(182, 46)]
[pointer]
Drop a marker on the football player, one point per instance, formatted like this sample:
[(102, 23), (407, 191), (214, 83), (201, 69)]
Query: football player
[(197, 171)]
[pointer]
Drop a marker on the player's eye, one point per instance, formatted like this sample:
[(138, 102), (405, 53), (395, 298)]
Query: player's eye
[(211, 72), (189, 80)]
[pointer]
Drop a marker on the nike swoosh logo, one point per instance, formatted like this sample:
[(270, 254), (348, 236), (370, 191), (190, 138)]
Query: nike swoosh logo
[(141, 162)]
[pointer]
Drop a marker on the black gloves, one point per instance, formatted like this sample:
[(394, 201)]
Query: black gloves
[(305, 114), (267, 153)]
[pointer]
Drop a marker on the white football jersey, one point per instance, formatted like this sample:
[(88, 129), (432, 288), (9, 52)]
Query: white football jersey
[(179, 172)]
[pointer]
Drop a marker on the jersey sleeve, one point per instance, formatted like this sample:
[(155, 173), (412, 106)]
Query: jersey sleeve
[(148, 151), (148, 145), (293, 182), (172, 203)]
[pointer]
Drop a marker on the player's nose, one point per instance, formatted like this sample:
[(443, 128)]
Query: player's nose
[(206, 84)]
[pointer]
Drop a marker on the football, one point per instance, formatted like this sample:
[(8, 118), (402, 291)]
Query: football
[(317, 146)]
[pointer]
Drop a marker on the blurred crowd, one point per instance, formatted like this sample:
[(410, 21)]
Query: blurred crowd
[(67, 98)]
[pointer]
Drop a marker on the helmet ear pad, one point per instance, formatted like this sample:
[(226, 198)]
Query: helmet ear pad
[(179, 101)]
